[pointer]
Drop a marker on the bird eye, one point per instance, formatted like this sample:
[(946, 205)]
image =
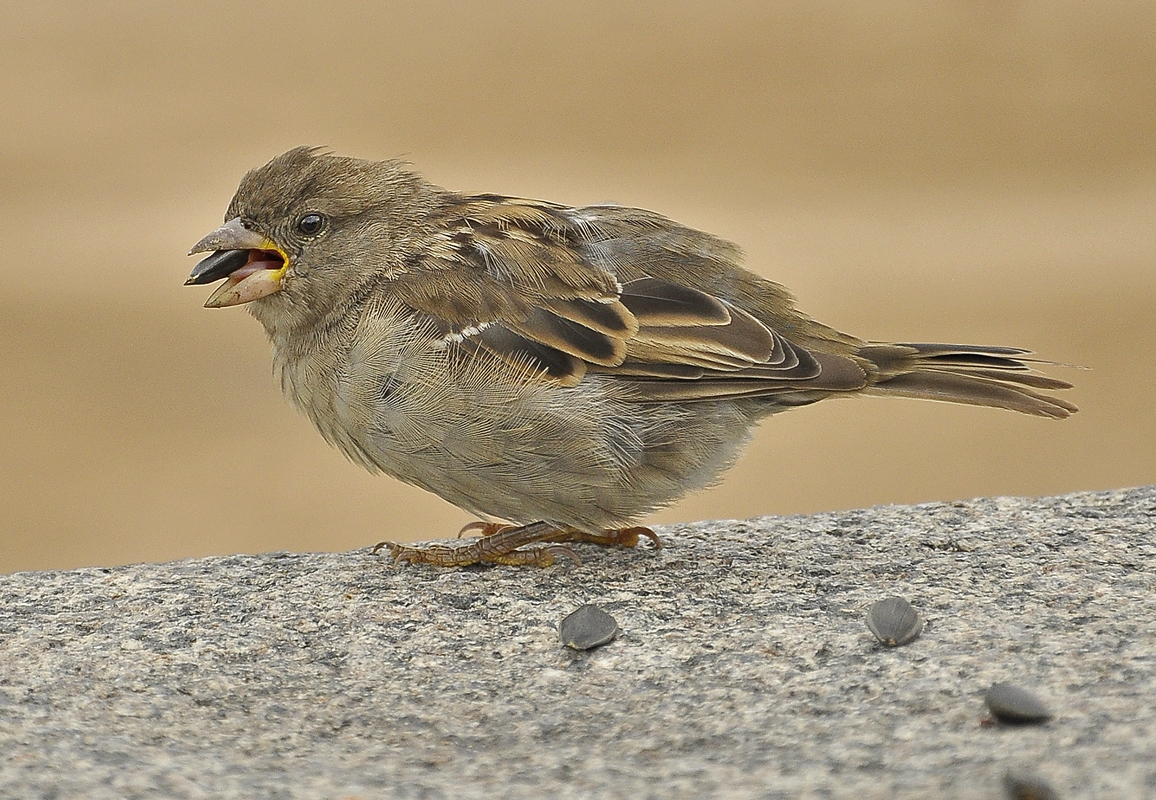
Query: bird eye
[(311, 224)]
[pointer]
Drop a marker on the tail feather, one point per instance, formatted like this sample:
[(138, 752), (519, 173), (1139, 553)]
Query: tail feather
[(1032, 379), (999, 377)]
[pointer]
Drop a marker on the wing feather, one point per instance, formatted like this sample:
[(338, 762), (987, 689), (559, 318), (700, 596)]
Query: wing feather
[(523, 280)]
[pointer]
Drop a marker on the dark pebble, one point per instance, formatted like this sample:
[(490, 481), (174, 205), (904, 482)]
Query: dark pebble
[(587, 627), (894, 621), (1010, 703), (1027, 787)]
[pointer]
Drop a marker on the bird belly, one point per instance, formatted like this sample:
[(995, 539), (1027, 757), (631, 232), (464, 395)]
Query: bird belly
[(500, 441), (577, 456)]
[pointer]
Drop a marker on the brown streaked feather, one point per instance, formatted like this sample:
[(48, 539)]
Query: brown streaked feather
[(1032, 379), (568, 370), (807, 368), (519, 243), (517, 262), (611, 318), (831, 373), (631, 295), (999, 377), (537, 298), (930, 349), (659, 391), (971, 390), (457, 299), (505, 212), (547, 328), (906, 354), (656, 303), (673, 353), (641, 369), (743, 339)]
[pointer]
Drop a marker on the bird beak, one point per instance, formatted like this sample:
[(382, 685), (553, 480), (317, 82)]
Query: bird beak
[(251, 264)]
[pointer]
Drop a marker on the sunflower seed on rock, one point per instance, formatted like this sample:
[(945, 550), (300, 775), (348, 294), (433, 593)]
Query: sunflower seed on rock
[(587, 627), (1010, 703), (894, 621), (1027, 787)]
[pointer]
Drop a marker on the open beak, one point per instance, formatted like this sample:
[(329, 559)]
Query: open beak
[(251, 264)]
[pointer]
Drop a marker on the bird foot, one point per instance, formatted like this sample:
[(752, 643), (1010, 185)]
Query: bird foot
[(624, 537), (506, 544), (501, 543)]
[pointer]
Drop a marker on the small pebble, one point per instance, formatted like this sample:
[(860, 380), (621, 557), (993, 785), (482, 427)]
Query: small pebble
[(1010, 703), (894, 621), (1027, 787), (587, 627)]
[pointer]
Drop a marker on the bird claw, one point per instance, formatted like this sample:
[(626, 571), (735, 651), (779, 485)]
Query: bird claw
[(623, 537), (484, 528)]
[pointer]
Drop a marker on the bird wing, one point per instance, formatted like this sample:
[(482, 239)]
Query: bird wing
[(538, 283)]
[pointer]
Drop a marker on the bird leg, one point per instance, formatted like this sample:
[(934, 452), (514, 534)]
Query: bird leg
[(502, 543), (499, 547), (624, 537)]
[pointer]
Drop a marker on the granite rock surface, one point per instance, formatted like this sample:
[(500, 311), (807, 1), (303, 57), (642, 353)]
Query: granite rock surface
[(743, 667)]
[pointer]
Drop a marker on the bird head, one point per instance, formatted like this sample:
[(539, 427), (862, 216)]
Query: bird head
[(304, 232)]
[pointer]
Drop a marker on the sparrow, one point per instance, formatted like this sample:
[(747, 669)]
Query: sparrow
[(558, 371)]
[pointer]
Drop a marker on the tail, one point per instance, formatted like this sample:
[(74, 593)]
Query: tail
[(998, 377)]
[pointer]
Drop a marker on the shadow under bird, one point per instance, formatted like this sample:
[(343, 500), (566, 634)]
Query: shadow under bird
[(563, 370)]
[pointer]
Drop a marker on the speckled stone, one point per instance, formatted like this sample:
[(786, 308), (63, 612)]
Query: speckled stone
[(744, 669)]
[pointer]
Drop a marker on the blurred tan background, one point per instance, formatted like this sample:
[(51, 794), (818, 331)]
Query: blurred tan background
[(949, 171)]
